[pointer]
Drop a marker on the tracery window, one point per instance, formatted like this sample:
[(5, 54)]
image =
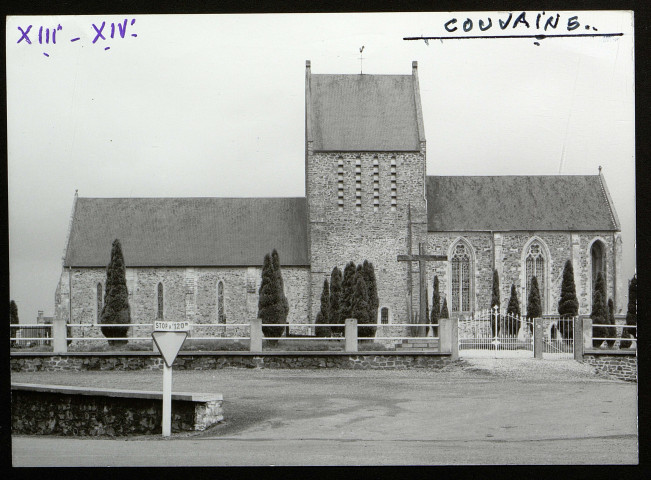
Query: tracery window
[(221, 318), (460, 281), (100, 301), (384, 315), (535, 267), (159, 314)]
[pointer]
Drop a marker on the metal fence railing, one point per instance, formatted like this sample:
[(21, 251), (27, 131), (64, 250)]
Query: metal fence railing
[(614, 337)]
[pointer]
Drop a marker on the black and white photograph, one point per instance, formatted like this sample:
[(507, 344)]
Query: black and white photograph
[(322, 239)]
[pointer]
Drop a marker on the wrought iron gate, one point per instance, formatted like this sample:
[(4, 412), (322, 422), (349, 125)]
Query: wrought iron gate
[(491, 333)]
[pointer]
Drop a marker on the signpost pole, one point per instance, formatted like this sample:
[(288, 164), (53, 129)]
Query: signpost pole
[(167, 400)]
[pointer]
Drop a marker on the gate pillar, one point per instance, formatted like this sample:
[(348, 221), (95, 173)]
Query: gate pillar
[(538, 338), (577, 331), (351, 334)]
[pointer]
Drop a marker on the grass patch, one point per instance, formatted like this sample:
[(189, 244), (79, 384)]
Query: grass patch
[(215, 346)]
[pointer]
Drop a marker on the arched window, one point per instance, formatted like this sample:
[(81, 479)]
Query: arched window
[(159, 314), (384, 316), (535, 265), (100, 301), (221, 318), (460, 278), (598, 257)]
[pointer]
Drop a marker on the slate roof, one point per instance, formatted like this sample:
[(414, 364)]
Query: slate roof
[(363, 113), (507, 203), (188, 231)]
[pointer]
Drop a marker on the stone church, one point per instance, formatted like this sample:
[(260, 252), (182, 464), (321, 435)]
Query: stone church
[(367, 197)]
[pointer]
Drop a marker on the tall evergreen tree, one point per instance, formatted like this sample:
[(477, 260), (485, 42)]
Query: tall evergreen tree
[(436, 306), (371, 284), (611, 332), (116, 308), (568, 304), (495, 302), (444, 309), (347, 291), (598, 315), (324, 313), (631, 313), (275, 262), (13, 319), (359, 306), (534, 309), (271, 307), (335, 315), (513, 312)]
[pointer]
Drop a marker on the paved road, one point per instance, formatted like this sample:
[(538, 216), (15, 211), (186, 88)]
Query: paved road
[(472, 415)]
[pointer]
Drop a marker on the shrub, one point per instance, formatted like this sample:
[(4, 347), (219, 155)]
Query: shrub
[(13, 319), (359, 307), (444, 309), (116, 304), (534, 309), (631, 313)]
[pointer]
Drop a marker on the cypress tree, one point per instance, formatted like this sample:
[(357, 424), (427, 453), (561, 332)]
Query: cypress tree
[(568, 304), (611, 332), (323, 315), (631, 313), (495, 302), (347, 291), (444, 309), (275, 262), (13, 319), (599, 316), (513, 311), (371, 284), (270, 305), (436, 306), (116, 297), (335, 300), (359, 306), (534, 309)]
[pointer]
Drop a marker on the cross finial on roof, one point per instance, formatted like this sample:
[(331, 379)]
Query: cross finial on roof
[(361, 58), (599, 168)]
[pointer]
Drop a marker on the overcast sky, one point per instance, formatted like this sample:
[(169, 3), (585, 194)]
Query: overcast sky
[(213, 105)]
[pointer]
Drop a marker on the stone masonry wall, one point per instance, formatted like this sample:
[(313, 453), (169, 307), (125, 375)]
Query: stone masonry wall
[(623, 367), (33, 363), (188, 294), (558, 249), (44, 413), (337, 237)]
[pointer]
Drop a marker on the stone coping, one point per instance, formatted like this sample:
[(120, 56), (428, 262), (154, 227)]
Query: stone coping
[(233, 354), (600, 351), (114, 392)]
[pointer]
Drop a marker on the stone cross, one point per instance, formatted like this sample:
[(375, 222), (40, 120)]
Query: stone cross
[(422, 258)]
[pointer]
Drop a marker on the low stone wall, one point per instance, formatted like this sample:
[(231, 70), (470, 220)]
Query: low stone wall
[(35, 362), (62, 410), (617, 363)]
